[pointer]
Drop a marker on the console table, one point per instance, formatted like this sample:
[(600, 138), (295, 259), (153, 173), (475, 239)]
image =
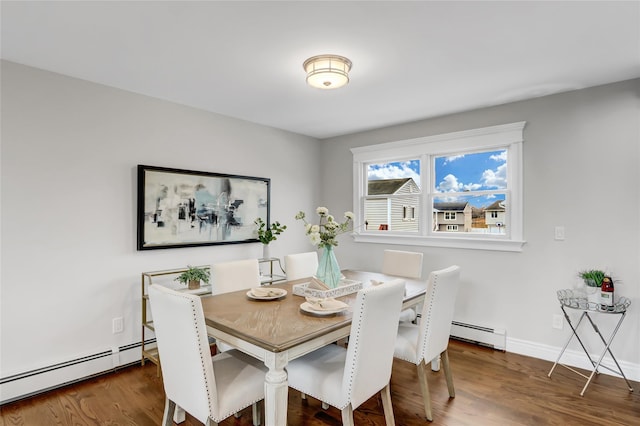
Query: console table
[(574, 299)]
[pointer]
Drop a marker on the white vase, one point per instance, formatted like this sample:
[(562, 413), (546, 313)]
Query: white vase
[(265, 251), (593, 294)]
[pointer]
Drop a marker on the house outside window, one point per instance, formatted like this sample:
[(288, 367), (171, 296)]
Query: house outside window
[(414, 189)]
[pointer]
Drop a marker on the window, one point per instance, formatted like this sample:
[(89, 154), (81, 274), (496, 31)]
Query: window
[(461, 189), (408, 213)]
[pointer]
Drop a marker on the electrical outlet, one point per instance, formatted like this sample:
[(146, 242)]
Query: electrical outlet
[(117, 325), (557, 321)]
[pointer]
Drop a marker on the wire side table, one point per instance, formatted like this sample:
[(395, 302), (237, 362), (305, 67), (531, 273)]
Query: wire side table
[(574, 299)]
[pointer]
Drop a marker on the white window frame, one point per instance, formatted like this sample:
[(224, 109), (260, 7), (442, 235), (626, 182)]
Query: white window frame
[(507, 136), (452, 228)]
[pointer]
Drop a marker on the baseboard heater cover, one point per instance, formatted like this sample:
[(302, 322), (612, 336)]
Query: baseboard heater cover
[(40, 380), (495, 338)]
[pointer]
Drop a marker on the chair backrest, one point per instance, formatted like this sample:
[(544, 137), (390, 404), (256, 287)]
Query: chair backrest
[(437, 312), (183, 346), (301, 265), (235, 275), (402, 263), (371, 343)]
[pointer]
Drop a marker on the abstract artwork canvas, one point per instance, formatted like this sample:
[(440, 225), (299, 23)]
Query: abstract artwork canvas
[(186, 208)]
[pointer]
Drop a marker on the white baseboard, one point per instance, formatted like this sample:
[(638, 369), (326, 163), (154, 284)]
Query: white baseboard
[(38, 381), (573, 358), (30, 383)]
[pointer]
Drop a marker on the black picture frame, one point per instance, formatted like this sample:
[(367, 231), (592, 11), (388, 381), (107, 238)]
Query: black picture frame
[(188, 208)]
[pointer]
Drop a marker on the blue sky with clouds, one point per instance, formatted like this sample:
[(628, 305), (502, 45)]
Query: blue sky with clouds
[(455, 174)]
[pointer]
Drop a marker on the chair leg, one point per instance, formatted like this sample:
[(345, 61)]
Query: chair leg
[(424, 386), (303, 396), (169, 409), (237, 415), (211, 422), (385, 393), (325, 406), (347, 416), (447, 373), (255, 411)]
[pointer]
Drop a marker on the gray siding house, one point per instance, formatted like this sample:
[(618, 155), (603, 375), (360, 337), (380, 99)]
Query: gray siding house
[(495, 217), (390, 206), (452, 216)]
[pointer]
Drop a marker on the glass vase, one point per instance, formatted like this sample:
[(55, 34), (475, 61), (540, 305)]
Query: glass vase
[(328, 269)]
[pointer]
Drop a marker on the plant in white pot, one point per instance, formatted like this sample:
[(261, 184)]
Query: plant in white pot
[(592, 281), (193, 276), (266, 234)]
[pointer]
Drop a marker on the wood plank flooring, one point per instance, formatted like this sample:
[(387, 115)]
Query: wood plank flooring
[(492, 388)]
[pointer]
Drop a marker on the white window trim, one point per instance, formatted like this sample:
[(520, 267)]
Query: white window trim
[(486, 138)]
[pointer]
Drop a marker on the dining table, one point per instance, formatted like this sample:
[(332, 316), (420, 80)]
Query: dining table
[(277, 331)]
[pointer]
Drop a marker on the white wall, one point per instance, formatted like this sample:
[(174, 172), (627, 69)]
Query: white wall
[(69, 155), (68, 259), (581, 157)]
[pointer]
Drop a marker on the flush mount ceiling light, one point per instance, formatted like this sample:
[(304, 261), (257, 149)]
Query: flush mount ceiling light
[(327, 71)]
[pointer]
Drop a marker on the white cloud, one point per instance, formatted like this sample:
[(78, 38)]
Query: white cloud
[(449, 184), (452, 158), (497, 178), (500, 157), (393, 171)]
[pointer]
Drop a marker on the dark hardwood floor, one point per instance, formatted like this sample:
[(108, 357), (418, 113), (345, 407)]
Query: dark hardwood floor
[(492, 388)]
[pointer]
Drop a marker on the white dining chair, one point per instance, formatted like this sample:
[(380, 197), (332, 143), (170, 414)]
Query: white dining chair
[(422, 343), (345, 378), (234, 275), (407, 264), (209, 388), (301, 265)]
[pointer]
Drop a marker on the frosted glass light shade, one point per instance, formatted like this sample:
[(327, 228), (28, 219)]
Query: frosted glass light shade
[(327, 71)]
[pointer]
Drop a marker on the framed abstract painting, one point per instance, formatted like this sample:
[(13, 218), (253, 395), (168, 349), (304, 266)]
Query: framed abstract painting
[(186, 208)]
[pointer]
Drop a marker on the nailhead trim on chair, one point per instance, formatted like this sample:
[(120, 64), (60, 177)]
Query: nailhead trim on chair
[(355, 342), (427, 320)]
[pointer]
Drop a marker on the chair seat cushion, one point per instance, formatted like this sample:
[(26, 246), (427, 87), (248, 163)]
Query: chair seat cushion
[(406, 342), (232, 368), (319, 374)]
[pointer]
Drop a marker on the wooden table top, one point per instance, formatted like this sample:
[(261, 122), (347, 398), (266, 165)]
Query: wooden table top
[(280, 325)]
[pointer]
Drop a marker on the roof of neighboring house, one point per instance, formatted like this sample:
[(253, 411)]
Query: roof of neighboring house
[(450, 205), (497, 205), (386, 186)]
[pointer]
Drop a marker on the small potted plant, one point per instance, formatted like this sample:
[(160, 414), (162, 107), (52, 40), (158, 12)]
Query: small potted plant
[(193, 276), (592, 277), (592, 280), (266, 234)]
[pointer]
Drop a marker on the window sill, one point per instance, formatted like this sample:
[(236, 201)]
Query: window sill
[(443, 242)]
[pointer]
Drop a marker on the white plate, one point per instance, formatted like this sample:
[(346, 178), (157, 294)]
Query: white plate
[(281, 293), (307, 307)]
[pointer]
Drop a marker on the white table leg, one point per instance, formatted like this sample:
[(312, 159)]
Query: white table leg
[(276, 389), (179, 415)]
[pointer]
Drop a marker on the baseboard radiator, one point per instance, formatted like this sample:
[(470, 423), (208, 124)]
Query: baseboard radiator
[(495, 338), (40, 380)]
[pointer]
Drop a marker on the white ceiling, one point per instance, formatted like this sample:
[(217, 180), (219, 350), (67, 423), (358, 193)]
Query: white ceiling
[(411, 60)]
